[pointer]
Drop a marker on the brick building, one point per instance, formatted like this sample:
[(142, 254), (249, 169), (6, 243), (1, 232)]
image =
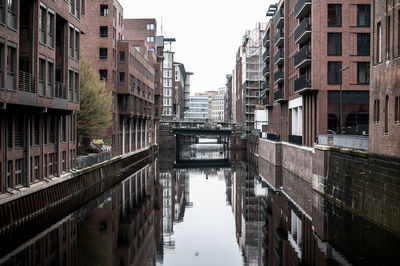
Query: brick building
[(228, 99), (125, 56), (39, 95), (384, 126), (303, 85)]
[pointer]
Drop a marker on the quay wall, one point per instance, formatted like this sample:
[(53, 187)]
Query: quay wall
[(363, 183), (61, 195)]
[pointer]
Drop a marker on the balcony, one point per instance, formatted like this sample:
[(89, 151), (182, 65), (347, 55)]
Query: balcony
[(266, 71), (278, 96), (27, 82), (297, 140), (278, 57), (265, 86), (278, 76), (266, 56), (302, 84), (302, 8), (266, 39), (303, 31), (302, 58), (278, 19), (61, 91), (278, 39)]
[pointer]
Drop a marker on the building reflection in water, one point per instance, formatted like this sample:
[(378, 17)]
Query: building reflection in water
[(278, 220)]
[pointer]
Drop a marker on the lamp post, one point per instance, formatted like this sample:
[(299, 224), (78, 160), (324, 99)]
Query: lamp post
[(341, 101)]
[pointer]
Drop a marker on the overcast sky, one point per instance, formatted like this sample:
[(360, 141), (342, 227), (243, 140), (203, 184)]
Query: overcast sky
[(208, 32)]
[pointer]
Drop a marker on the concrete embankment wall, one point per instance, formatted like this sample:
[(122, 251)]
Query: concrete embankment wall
[(366, 184), (59, 198)]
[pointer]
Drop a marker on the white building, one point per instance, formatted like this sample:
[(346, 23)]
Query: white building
[(218, 106), (167, 85), (198, 109)]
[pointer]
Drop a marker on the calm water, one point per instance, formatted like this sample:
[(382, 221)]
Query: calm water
[(243, 214)]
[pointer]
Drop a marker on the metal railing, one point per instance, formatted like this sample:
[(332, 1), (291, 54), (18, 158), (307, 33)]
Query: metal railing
[(265, 70), (299, 6), (266, 38), (278, 95), (301, 83), (303, 56), (266, 55), (61, 91), (278, 56), (277, 18), (303, 27), (278, 75), (278, 35), (86, 161), (27, 82), (265, 85)]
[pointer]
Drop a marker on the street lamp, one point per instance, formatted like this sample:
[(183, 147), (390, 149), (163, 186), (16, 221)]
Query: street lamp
[(341, 101)]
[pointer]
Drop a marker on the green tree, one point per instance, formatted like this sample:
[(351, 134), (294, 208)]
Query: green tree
[(95, 113)]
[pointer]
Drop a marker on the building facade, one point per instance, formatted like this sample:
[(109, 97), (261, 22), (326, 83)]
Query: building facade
[(218, 106), (228, 100), (322, 90), (198, 109), (125, 57), (39, 95), (384, 121)]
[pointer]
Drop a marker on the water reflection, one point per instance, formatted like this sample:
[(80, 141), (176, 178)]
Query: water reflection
[(248, 214)]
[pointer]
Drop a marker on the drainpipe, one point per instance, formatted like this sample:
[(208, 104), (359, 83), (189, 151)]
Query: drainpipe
[(28, 150)]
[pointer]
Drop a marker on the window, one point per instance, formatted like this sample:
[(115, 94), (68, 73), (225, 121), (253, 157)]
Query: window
[(45, 166), (397, 110), (18, 172), (363, 44), (78, 7), (63, 129), (2, 10), (71, 85), (335, 44), (76, 87), (387, 114), (19, 131), (334, 15), (72, 6), (104, 10), (64, 165), (36, 168), (176, 73), (42, 25), (11, 67), (71, 42), (363, 15), (83, 7), (379, 42), (12, 14), (45, 129), (51, 162), (121, 57), (9, 176), (52, 130), (156, 86), (334, 76), (103, 53), (121, 77), (42, 77), (387, 50), (151, 26), (150, 39), (103, 31), (51, 31), (50, 80), (363, 72), (103, 74), (77, 45)]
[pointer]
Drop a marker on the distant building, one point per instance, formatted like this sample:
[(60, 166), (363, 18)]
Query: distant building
[(198, 109), (228, 100), (211, 95), (218, 106)]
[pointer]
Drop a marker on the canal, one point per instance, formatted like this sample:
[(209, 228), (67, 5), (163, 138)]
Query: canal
[(245, 212)]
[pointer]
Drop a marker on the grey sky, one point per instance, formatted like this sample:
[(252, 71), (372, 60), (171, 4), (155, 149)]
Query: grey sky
[(208, 32)]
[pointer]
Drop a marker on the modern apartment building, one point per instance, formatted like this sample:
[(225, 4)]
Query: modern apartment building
[(39, 91), (198, 109), (125, 57), (384, 121), (325, 89)]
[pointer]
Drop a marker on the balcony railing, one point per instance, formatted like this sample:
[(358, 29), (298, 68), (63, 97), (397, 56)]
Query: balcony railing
[(278, 57), (266, 55), (265, 86), (266, 39), (302, 8), (61, 91), (302, 58), (294, 139), (278, 18), (266, 71), (278, 96), (303, 31), (278, 76), (302, 84), (273, 137), (265, 101), (278, 39), (27, 82)]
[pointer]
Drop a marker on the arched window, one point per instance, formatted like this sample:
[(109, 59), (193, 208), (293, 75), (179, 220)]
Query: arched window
[(386, 114)]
